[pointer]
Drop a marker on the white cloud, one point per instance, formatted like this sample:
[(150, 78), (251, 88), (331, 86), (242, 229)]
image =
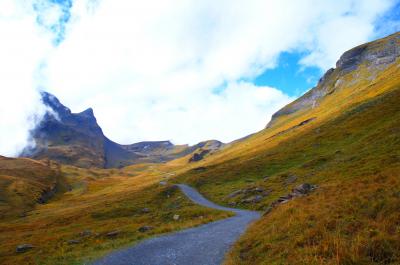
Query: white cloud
[(351, 26), (22, 46), (150, 68)]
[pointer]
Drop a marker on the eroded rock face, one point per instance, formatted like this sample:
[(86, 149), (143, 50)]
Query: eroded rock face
[(371, 56), (85, 233), (24, 248), (199, 156), (375, 56), (73, 241), (248, 195), (299, 191), (113, 234), (145, 228), (252, 199), (176, 217)]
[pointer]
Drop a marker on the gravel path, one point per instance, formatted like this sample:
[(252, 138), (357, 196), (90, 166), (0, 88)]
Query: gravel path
[(203, 245)]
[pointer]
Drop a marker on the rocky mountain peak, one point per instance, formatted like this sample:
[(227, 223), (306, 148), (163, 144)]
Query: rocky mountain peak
[(382, 52), (77, 139), (55, 105), (374, 56)]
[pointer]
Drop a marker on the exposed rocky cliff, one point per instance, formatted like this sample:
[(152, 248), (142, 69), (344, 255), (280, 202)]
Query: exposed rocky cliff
[(77, 139), (374, 57)]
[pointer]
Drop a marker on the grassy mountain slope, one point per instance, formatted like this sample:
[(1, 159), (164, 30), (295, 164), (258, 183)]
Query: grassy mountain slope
[(99, 202), (353, 217), (344, 137), (26, 182)]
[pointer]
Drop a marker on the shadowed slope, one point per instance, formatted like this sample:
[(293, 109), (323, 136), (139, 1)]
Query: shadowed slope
[(77, 139), (26, 182)]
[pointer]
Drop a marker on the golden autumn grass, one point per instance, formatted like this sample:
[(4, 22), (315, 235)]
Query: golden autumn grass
[(351, 151), (100, 201), (22, 183), (354, 216)]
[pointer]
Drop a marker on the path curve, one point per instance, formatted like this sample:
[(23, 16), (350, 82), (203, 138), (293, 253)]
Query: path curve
[(203, 245)]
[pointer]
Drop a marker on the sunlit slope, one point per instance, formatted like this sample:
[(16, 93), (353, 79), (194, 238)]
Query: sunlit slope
[(104, 209), (357, 78), (353, 216), (344, 136), (338, 91)]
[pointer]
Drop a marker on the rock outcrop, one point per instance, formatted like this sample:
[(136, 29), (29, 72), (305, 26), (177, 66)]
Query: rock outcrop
[(374, 56), (24, 248), (77, 139), (299, 191)]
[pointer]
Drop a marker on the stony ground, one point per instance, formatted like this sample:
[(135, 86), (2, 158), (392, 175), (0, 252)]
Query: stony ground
[(204, 245)]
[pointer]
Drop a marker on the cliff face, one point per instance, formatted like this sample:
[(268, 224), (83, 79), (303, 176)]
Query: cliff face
[(77, 139), (69, 138), (370, 58)]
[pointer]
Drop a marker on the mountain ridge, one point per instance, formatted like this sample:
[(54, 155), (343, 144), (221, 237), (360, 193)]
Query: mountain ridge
[(77, 139), (371, 54)]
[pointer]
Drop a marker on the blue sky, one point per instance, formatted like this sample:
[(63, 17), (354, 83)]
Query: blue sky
[(289, 75), (294, 79), (175, 70)]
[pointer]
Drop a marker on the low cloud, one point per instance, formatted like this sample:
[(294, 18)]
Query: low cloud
[(174, 69), (22, 48)]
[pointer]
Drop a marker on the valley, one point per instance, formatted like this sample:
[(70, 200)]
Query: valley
[(324, 175)]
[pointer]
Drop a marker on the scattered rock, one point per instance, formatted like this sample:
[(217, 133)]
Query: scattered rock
[(145, 210), (145, 228), (266, 192), (303, 189), (163, 183), (85, 233), (176, 217), (266, 178), (258, 189), (234, 194), (284, 199), (113, 234), (73, 241), (253, 199), (291, 179), (199, 156), (24, 248), (232, 204)]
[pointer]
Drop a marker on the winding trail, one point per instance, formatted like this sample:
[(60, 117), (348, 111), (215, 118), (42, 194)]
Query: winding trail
[(203, 245)]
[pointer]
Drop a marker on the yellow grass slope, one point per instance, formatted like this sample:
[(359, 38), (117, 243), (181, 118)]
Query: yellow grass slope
[(348, 143), (102, 211), (24, 183)]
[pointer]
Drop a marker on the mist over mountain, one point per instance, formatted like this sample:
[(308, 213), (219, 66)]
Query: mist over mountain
[(77, 139), (304, 96)]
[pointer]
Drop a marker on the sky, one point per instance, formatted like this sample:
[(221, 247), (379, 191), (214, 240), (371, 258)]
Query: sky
[(179, 70)]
